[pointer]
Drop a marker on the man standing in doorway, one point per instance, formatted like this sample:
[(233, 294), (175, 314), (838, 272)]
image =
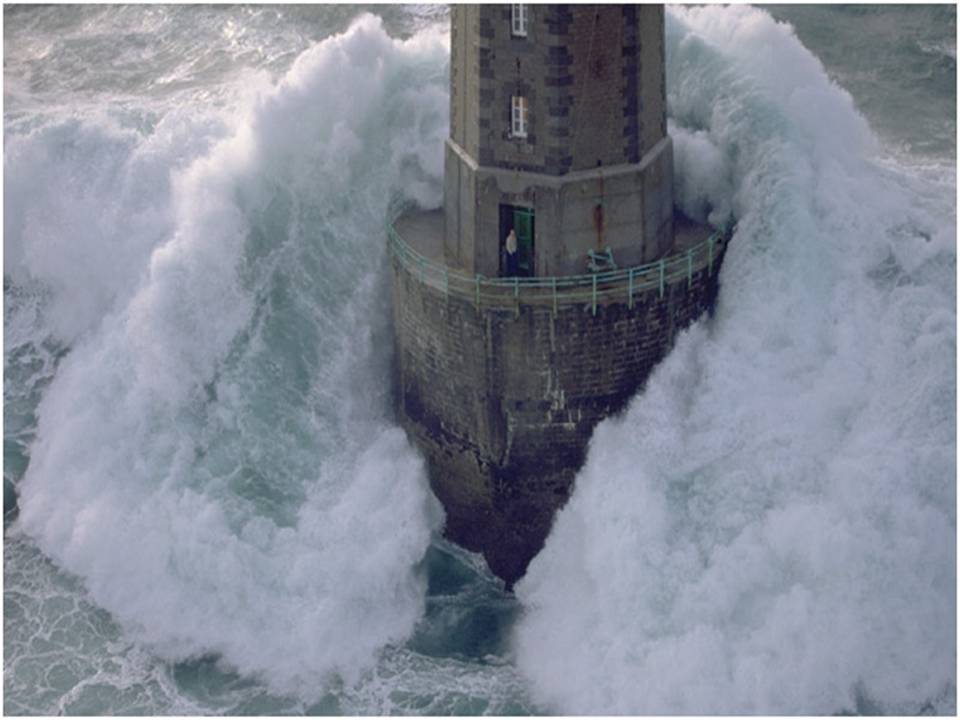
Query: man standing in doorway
[(510, 247)]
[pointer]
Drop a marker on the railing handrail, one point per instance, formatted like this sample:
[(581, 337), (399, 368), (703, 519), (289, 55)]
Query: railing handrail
[(560, 290)]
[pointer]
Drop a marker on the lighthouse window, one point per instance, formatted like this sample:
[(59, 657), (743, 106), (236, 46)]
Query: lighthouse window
[(518, 117), (518, 17)]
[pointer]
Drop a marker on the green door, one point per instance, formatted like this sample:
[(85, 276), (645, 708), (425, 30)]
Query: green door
[(523, 224)]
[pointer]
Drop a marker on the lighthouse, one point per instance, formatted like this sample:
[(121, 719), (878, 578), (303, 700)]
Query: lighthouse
[(536, 302)]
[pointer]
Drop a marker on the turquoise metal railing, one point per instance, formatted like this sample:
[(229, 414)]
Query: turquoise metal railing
[(564, 290)]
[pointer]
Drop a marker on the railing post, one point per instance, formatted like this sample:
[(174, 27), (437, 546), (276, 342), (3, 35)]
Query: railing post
[(594, 294), (478, 292), (554, 295), (661, 277), (689, 268), (630, 301), (446, 280), (516, 296)]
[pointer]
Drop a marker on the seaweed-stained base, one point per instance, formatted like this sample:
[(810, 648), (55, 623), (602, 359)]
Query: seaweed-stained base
[(503, 401)]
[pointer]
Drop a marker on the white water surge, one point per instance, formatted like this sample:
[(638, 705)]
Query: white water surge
[(212, 456), (770, 527)]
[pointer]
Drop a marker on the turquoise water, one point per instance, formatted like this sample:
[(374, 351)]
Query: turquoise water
[(218, 513), (898, 62)]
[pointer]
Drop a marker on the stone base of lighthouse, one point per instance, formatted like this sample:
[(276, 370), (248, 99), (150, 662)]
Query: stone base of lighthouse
[(502, 396)]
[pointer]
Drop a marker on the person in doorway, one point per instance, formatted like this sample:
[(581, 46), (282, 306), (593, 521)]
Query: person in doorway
[(510, 248)]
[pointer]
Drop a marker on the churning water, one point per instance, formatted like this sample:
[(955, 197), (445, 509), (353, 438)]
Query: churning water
[(218, 513)]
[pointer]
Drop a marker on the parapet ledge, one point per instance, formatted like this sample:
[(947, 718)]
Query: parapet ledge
[(423, 231)]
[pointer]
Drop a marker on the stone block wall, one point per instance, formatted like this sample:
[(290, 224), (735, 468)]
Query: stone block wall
[(504, 404), (592, 74), (637, 202), (593, 78)]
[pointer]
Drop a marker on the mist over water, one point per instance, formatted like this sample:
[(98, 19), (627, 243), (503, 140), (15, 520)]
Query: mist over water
[(218, 513), (905, 84)]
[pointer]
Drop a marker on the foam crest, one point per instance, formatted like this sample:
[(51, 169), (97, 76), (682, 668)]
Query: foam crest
[(770, 527), (212, 456), (87, 201)]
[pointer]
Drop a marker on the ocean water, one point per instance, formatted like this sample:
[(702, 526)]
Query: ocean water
[(217, 511)]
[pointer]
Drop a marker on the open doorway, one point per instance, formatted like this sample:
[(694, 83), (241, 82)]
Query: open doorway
[(521, 221)]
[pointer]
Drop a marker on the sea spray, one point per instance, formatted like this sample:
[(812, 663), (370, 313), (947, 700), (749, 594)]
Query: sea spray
[(770, 527), (212, 457)]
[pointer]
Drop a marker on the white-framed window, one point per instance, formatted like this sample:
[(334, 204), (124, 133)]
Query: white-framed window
[(518, 19), (518, 116)]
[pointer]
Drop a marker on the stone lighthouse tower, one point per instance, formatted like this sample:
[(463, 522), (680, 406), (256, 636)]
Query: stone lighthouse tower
[(557, 128), (557, 273)]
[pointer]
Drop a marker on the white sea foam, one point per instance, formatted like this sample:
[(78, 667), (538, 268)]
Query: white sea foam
[(211, 456), (770, 527), (86, 202)]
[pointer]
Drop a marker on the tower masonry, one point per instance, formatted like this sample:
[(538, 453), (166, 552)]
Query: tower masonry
[(557, 274), (557, 126)]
